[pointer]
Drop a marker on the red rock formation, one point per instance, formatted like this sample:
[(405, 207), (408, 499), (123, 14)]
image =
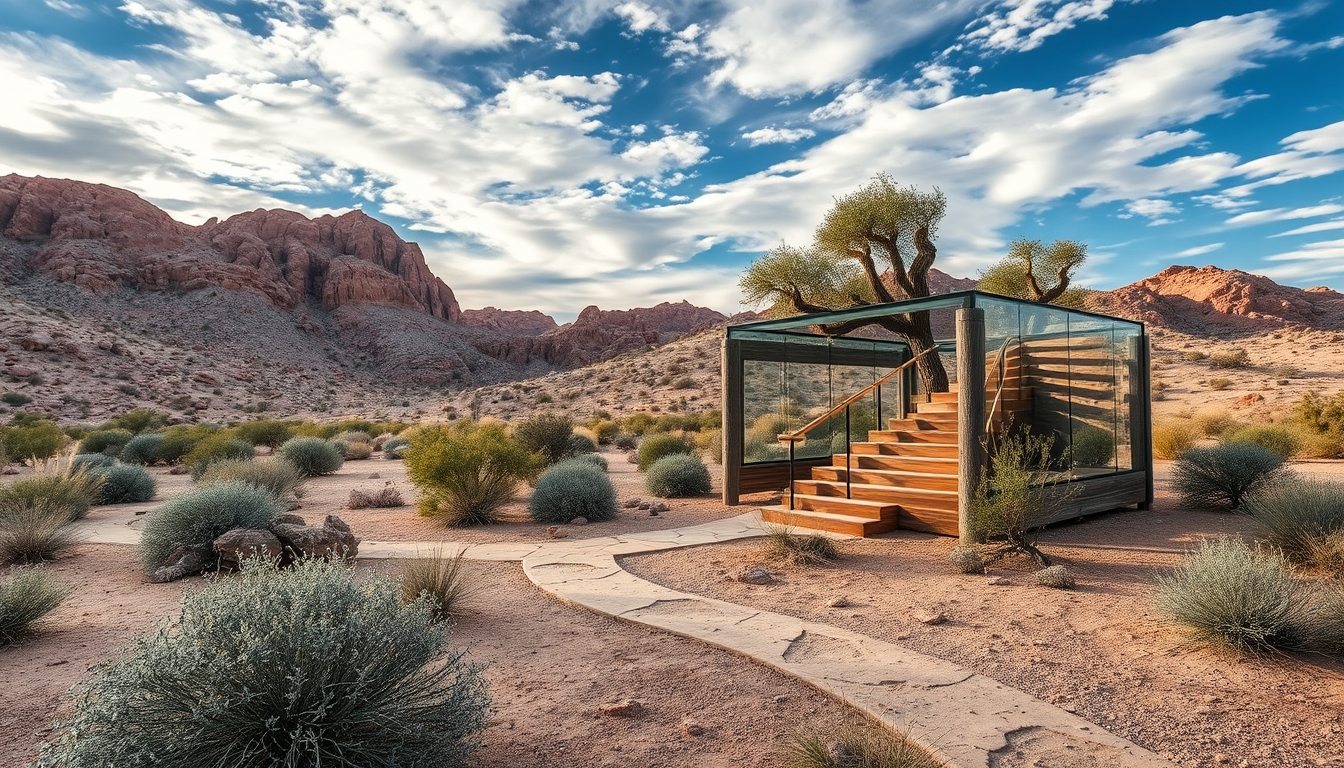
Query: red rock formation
[(527, 322), (103, 239)]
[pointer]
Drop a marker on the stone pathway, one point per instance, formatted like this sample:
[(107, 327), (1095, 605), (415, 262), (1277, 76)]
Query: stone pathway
[(966, 719)]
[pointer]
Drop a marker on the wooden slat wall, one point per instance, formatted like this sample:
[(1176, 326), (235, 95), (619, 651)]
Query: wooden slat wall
[(1103, 494), (764, 478)]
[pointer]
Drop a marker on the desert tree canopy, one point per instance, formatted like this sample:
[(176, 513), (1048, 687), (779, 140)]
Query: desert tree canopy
[(1038, 272)]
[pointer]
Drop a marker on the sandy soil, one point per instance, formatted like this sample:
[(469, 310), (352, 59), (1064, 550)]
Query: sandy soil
[(1100, 650)]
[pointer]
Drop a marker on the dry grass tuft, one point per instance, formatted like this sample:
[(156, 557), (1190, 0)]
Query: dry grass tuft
[(858, 744), (441, 578), (385, 497), (783, 545)]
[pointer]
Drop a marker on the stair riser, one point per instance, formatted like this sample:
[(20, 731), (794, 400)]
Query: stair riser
[(902, 496), (839, 505), (876, 477), (898, 463), (897, 435), (932, 450)]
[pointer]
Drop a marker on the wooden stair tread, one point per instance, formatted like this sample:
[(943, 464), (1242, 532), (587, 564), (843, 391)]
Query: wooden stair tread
[(827, 521)]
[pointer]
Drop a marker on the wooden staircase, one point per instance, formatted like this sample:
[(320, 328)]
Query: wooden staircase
[(904, 476)]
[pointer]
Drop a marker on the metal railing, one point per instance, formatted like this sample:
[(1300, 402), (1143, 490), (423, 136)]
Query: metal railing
[(1000, 362)]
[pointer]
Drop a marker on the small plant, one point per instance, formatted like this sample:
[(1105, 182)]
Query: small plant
[(125, 484), (1055, 577), (1092, 447), (195, 519), (383, 498), (1281, 441), (15, 399), (1194, 356), (1212, 423), (581, 444), (1018, 496), (298, 667), (33, 531), (783, 545), (856, 744), (91, 461), (651, 449), (685, 382), (220, 446), (268, 432), (678, 476), (466, 471), (1218, 385), (967, 559), (395, 447), (281, 479), (1171, 438), (73, 492), (1236, 358), (625, 441), (570, 489), (1223, 476), (605, 430), (1287, 372), (355, 436), (356, 451), (142, 449), (32, 440), (440, 579), (107, 441), (25, 597), (312, 456), (548, 435), (1304, 519), (710, 444)]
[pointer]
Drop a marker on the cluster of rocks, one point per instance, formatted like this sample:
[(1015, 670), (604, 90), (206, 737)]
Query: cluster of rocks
[(654, 508), (287, 539)]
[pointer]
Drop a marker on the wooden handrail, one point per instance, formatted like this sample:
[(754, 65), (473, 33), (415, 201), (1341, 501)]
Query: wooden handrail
[(800, 435), (999, 358)]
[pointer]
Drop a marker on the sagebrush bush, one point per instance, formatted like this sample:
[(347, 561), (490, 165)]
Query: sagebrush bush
[(25, 597), (1303, 517), (268, 432), (547, 434), (570, 489), (1092, 447), (142, 449), (1232, 595), (581, 444), (1018, 496), (677, 476), (625, 441), (1212, 423), (74, 491), (175, 446), (33, 441), (196, 518), (438, 578), (15, 398), (605, 430), (356, 451), (138, 420), (1282, 441), (277, 476), (596, 459), (89, 461), (967, 559), (655, 447), (125, 484), (107, 441), (395, 447), (383, 498), (466, 471), (1222, 476), (33, 531), (1236, 358), (1055, 577), (354, 436), (220, 446), (783, 545), (313, 456), (295, 668), (1172, 437)]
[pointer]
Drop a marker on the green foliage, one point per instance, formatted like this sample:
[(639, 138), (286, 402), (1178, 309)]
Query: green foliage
[(1281, 441), (90, 461), (1222, 477), (1321, 414), (281, 479), (1236, 358), (581, 444), (638, 424), (313, 456), (605, 429), (547, 434), (220, 446), (271, 433), (395, 448), (33, 442), (626, 441), (356, 425), (676, 476), (1031, 261), (466, 471), (1231, 595), (1172, 437), (33, 531), (71, 490), (196, 518), (439, 579), (653, 448), (180, 441), (142, 449), (1092, 447), (1018, 496), (125, 484), (354, 436), (783, 545), (1304, 519), (289, 668), (138, 421), (596, 459), (570, 489), (15, 398), (25, 597), (822, 278)]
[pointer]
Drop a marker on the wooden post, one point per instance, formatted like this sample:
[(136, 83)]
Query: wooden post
[(1141, 414), (730, 361), (970, 413)]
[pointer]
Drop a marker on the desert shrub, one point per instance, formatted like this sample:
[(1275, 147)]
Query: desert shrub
[(1172, 437), (220, 446), (271, 433), (626, 441), (35, 441), (176, 444), (637, 424), (856, 744), (581, 444), (1092, 447), (1236, 358), (142, 449), (783, 545), (466, 471), (709, 443), (198, 517), (354, 436), (383, 498), (1055, 577), (439, 579), (677, 475), (356, 451), (393, 443), (1320, 445), (125, 484), (298, 667), (966, 559), (73, 491), (107, 441), (90, 461), (33, 531), (1303, 518), (1212, 423), (1221, 477), (25, 597), (1320, 413), (655, 447), (548, 435), (15, 399), (596, 459), (138, 420), (570, 489), (1232, 595), (312, 456), (1018, 496), (1281, 441), (281, 479), (605, 430), (1194, 356), (1218, 385)]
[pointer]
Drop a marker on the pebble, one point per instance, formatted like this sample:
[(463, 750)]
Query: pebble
[(632, 503), (755, 576), (579, 521), (622, 708), (781, 698), (999, 581), (930, 617), (374, 475), (837, 602), (556, 532), (691, 728)]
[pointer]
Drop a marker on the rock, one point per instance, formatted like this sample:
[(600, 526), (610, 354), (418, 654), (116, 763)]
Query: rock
[(653, 513), (756, 576), (644, 504), (333, 538), (287, 520), (35, 342), (374, 476), (837, 602), (184, 561), (633, 504), (20, 372), (622, 708), (1248, 400), (179, 469), (781, 698), (556, 532), (579, 521), (529, 322), (691, 727), (998, 581), (659, 506), (9, 471), (929, 617), (241, 543)]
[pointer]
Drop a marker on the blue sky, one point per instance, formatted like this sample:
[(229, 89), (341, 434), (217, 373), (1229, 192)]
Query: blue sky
[(551, 155)]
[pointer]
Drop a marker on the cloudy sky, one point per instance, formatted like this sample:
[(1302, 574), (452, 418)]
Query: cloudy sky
[(556, 154)]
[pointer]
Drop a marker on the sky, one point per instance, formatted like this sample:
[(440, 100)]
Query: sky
[(551, 155)]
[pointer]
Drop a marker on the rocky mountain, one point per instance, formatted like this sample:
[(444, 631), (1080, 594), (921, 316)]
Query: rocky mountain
[(526, 322)]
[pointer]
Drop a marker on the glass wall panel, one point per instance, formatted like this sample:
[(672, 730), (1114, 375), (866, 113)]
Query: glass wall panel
[(1092, 395), (762, 411), (1129, 386)]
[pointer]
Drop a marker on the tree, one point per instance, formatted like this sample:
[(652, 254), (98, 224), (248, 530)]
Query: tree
[(879, 224), (1038, 272)]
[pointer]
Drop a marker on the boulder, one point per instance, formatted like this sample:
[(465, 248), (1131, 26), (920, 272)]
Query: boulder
[(241, 543), (332, 538), (184, 561)]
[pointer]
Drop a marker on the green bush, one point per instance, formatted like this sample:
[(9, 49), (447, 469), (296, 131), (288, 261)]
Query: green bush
[(25, 597), (220, 446), (73, 491), (34, 442), (393, 448), (581, 444), (299, 667), (90, 461), (548, 434), (138, 420), (1304, 519), (626, 441), (142, 449), (605, 429), (676, 476), (107, 441), (1229, 594), (33, 531), (282, 480), (176, 445), (653, 448), (466, 471), (125, 484), (15, 399), (1279, 440), (196, 518), (967, 559), (268, 432), (1018, 497), (1092, 447), (571, 489), (313, 456), (1223, 476), (596, 459), (354, 436), (1236, 358), (1321, 414)]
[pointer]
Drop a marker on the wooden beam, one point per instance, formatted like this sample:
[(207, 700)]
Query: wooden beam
[(970, 413), (730, 362)]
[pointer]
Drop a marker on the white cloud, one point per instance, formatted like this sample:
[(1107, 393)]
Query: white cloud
[(1324, 226), (1311, 260), (774, 135), (1156, 211), (1199, 250), (1283, 214), (1307, 155), (1027, 23), (641, 18)]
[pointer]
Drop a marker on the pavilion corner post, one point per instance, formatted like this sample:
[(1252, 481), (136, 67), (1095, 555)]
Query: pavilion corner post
[(730, 360), (1141, 413), (970, 414)]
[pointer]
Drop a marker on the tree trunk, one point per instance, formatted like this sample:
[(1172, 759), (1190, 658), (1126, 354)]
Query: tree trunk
[(932, 374)]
